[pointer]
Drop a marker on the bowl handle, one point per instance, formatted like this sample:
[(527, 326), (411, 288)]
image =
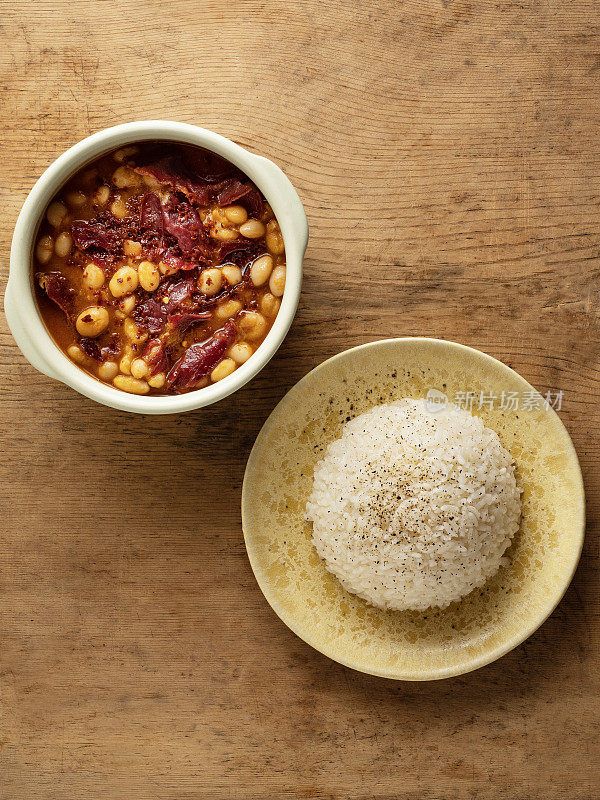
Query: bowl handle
[(292, 203), (19, 331)]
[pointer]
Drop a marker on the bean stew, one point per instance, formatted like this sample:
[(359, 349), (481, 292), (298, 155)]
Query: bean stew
[(159, 268)]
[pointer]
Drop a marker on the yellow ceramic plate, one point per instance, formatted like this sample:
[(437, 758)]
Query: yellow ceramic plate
[(399, 644)]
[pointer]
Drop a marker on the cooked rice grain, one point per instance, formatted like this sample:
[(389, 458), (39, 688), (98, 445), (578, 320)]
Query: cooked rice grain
[(413, 509)]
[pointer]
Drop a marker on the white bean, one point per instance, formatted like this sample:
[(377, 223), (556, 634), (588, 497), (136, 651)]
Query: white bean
[(232, 274), (124, 281), (93, 276), (149, 276), (261, 269), (108, 370), (277, 281), (253, 229), (236, 214), (62, 245), (210, 282), (253, 325), (139, 368), (222, 370), (92, 321), (240, 352), (56, 212), (128, 384), (44, 249)]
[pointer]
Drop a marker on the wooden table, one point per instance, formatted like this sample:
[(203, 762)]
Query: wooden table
[(448, 156)]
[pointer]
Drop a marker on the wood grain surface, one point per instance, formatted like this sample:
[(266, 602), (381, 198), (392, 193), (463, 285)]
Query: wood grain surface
[(448, 156)]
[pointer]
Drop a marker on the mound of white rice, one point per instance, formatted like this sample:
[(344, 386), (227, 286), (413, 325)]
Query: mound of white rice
[(413, 509)]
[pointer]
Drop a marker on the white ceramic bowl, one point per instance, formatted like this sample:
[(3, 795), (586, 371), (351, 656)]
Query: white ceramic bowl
[(20, 305)]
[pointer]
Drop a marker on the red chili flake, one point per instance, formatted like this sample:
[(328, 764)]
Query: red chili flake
[(91, 348)]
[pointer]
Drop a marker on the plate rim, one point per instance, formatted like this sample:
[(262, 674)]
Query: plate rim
[(433, 674)]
